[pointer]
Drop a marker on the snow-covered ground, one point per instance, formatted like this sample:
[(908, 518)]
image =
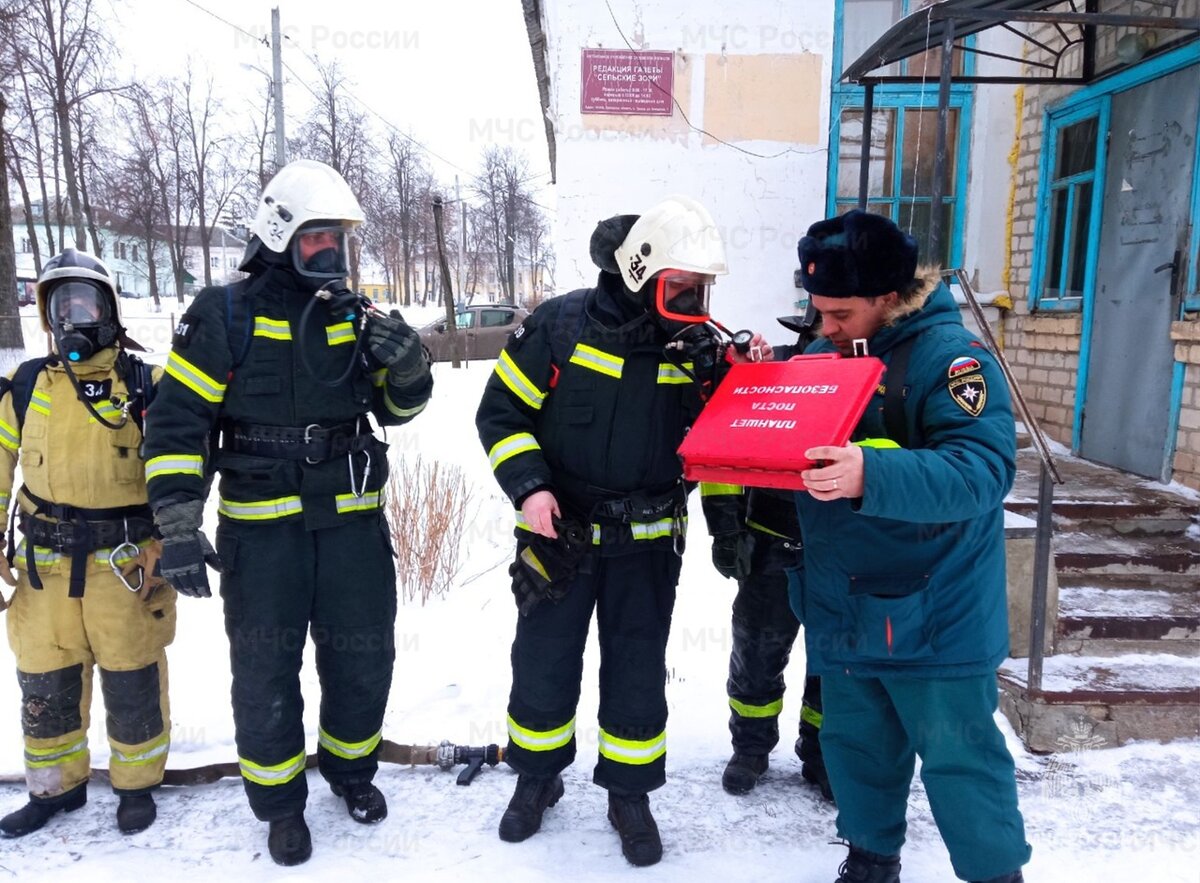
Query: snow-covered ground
[(1131, 813)]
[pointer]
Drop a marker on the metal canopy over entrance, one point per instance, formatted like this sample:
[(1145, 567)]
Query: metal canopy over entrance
[(1071, 40)]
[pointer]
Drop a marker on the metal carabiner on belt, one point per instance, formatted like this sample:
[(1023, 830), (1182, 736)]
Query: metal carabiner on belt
[(359, 490), (132, 550)]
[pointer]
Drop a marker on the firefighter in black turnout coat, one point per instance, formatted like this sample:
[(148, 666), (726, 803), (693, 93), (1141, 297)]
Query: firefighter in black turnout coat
[(756, 540), (288, 381), (581, 421)]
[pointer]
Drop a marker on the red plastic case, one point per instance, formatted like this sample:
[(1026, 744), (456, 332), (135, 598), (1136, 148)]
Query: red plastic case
[(765, 415)]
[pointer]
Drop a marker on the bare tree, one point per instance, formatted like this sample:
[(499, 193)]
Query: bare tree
[(11, 336), (65, 52), (502, 190)]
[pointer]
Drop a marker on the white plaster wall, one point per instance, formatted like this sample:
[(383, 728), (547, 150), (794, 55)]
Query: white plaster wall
[(762, 203)]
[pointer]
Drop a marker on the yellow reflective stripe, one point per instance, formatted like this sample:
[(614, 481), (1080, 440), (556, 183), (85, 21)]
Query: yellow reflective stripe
[(342, 332), (754, 524), (41, 554), (259, 510), (145, 756), (541, 740), (771, 709), (348, 750), (632, 751), (379, 378), (277, 774), (275, 329), (4, 498), (351, 503), (652, 530), (596, 531), (877, 443), (39, 758), (810, 715), (9, 436), (668, 373), (520, 385), (107, 410), (105, 556), (40, 401), (194, 379), (597, 360), (521, 522), (402, 412), (510, 446), (174, 464), (714, 489), (534, 562)]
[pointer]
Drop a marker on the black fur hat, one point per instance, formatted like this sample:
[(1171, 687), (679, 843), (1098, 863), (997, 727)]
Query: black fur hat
[(609, 234), (856, 255)]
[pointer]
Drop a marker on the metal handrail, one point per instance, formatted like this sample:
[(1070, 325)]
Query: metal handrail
[(1047, 478)]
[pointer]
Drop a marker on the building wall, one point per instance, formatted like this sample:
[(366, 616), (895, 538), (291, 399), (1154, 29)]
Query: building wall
[(755, 75), (1044, 348)]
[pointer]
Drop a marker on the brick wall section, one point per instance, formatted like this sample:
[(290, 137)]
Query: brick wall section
[(1186, 336), (1043, 348)]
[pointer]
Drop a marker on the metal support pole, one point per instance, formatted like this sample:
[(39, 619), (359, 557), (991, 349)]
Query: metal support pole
[(1041, 569), (277, 89), (934, 256), (864, 163)]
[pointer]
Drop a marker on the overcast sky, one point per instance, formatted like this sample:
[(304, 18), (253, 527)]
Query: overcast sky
[(456, 74)]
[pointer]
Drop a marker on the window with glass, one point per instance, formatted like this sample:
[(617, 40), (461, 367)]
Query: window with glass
[(903, 137), (464, 320), (1070, 208)]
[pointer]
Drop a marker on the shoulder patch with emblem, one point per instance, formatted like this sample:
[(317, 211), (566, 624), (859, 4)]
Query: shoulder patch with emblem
[(969, 393)]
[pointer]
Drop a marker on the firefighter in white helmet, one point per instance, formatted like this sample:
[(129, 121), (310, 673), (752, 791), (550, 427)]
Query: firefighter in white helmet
[(86, 594), (286, 366), (581, 421)]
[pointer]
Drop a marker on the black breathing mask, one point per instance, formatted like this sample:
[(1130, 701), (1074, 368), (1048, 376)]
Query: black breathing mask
[(82, 319)]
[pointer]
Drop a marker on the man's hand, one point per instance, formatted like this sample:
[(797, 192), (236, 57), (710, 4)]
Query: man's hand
[(731, 553), (545, 567), (186, 550), (397, 347), (147, 562), (841, 474), (539, 511)]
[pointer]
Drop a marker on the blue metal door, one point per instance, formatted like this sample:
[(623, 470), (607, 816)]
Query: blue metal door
[(1144, 234)]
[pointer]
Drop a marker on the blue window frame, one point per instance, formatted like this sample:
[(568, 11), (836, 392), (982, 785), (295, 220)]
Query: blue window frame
[(904, 131), (1069, 203)]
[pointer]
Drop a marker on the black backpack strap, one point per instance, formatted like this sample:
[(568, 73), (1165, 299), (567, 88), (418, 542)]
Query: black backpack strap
[(568, 328), (239, 321), (894, 392), (139, 381), (22, 383)]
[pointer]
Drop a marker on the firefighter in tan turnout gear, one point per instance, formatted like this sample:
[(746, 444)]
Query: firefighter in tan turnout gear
[(85, 594)]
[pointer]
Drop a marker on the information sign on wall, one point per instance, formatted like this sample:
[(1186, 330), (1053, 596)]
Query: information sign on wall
[(625, 82)]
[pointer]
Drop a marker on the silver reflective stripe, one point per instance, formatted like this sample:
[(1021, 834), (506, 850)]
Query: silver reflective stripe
[(277, 774), (342, 332), (141, 758), (194, 379), (260, 510), (597, 360), (401, 412), (668, 373), (651, 530), (351, 503), (632, 751), (40, 401), (44, 757), (506, 448), (174, 464), (541, 740), (275, 329), (348, 750), (9, 436)]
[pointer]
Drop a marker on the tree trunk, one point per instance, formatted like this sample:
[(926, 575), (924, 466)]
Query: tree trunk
[(11, 337), (30, 225)]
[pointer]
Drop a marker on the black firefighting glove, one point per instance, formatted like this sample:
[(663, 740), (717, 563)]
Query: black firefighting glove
[(396, 346), (186, 550), (544, 567), (731, 553)]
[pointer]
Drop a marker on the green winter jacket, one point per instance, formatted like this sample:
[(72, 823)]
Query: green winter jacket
[(909, 579)]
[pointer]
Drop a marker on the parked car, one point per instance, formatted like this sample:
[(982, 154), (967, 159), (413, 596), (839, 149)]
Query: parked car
[(484, 329)]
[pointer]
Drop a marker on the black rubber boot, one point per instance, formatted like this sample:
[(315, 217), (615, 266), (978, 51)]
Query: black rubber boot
[(136, 812), (289, 841), (640, 843), (33, 815), (1014, 877), (814, 773), (869, 867), (743, 771), (364, 802), (530, 800)]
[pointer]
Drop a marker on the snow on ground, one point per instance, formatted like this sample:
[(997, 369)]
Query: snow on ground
[(1127, 813)]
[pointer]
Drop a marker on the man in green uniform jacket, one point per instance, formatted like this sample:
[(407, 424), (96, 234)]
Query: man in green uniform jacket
[(902, 595)]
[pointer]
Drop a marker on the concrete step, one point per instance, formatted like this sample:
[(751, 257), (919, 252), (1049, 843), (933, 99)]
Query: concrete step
[(1103, 621), (1103, 701), (1087, 553), (1149, 581)]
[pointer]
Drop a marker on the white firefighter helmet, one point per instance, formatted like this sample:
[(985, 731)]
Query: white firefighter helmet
[(301, 192), (73, 265), (676, 234)]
